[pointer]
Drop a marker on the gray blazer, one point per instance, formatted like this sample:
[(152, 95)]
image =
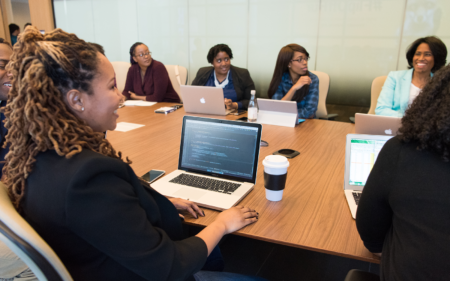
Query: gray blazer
[(242, 81)]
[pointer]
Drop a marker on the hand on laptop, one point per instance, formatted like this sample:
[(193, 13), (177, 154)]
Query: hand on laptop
[(187, 205), (236, 218)]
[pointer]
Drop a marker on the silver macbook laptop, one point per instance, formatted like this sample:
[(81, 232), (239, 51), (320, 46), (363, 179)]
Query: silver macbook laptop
[(217, 164), (376, 124), (277, 112), (203, 100), (361, 152)]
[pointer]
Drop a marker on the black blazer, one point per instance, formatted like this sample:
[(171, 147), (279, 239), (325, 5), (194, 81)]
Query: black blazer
[(242, 81), (104, 224)]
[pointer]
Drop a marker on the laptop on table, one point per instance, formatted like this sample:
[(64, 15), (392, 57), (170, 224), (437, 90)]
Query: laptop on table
[(203, 100), (377, 124), (277, 112), (361, 152), (217, 164)]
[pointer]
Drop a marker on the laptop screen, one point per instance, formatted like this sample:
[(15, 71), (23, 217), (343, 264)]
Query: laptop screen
[(363, 154), (223, 148)]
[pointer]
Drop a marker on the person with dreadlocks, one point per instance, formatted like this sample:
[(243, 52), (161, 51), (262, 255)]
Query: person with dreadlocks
[(73, 187), (404, 211)]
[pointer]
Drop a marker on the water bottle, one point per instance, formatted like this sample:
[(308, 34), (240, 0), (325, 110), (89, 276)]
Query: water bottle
[(252, 108)]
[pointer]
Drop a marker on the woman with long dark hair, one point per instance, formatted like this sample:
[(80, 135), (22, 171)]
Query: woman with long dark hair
[(147, 78), (292, 81), (404, 211)]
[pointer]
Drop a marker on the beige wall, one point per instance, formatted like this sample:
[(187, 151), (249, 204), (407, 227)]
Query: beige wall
[(21, 13), (42, 14)]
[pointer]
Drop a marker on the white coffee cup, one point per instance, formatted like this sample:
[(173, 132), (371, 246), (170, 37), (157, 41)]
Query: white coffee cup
[(275, 174)]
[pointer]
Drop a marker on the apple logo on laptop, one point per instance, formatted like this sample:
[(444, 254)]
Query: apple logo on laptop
[(388, 132), (202, 100)]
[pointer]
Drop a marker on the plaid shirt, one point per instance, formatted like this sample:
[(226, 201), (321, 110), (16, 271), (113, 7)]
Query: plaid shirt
[(308, 106)]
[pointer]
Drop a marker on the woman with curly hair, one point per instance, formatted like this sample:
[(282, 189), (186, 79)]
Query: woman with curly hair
[(404, 211), (235, 81), (425, 56), (147, 78), (73, 187)]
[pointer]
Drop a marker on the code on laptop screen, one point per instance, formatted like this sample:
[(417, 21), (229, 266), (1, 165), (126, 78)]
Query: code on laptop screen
[(219, 148), (363, 154)]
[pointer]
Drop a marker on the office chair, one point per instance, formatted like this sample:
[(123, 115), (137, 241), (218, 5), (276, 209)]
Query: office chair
[(324, 87), (178, 76), (23, 240), (121, 70), (360, 275), (377, 85)]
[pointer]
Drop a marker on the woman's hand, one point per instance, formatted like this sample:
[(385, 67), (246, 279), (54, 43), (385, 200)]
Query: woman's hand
[(230, 104), (236, 218), (304, 80), (133, 96), (187, 205)]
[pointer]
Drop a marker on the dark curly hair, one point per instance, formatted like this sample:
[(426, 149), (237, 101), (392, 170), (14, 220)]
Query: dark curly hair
[(427, 121), (217, 49), (132, 49), (437, 47)]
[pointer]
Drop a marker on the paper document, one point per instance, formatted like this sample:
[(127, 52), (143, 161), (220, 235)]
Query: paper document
[(125, 126), (139, 103)]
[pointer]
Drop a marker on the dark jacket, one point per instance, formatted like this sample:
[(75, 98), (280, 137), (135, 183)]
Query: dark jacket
[(243, 83), (404, 212), (104, 224)]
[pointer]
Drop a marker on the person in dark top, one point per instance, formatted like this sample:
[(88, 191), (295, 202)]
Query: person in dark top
[(148, 79), (71, 185), (14, 31), (235, 81), (5, 86), (404, 211)]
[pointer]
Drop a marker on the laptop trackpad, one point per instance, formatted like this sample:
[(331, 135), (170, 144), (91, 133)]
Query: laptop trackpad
[(189, 193)]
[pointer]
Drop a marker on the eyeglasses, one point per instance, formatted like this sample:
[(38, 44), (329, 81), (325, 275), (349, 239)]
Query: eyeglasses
[(3, 64), (144, 54), (301, 59)]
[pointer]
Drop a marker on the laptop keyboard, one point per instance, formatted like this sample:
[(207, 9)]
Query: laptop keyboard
[(357, 196), (224, 187)]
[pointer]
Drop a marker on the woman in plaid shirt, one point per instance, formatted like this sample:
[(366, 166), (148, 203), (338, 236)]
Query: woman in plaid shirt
[(292, 81)]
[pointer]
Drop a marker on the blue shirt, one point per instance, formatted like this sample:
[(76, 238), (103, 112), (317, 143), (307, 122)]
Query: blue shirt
[(306, 107), (228, 91)]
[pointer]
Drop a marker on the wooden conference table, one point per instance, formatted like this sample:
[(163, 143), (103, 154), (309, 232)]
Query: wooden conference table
[(313, 213)]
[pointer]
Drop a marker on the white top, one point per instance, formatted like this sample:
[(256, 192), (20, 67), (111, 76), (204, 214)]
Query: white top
[(413, 93)]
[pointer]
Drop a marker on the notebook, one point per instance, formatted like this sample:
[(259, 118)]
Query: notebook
[(376, 124), (217, 164), (203, 100), (361, 152)]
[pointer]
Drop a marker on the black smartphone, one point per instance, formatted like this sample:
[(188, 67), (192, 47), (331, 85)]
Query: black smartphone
[(152, 175), (243, 119)]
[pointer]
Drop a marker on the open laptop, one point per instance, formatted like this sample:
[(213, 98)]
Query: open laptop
[(277, 112), (217, 164), (203, 100), (376, 124), (361, 152)]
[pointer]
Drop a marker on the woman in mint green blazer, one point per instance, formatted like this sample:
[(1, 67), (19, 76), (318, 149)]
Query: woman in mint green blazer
[(425, 56)]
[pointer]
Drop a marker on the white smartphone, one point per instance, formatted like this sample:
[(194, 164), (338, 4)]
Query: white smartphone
[(153, 175)]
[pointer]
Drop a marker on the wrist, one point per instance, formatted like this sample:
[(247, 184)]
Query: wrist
[(218, 227)]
